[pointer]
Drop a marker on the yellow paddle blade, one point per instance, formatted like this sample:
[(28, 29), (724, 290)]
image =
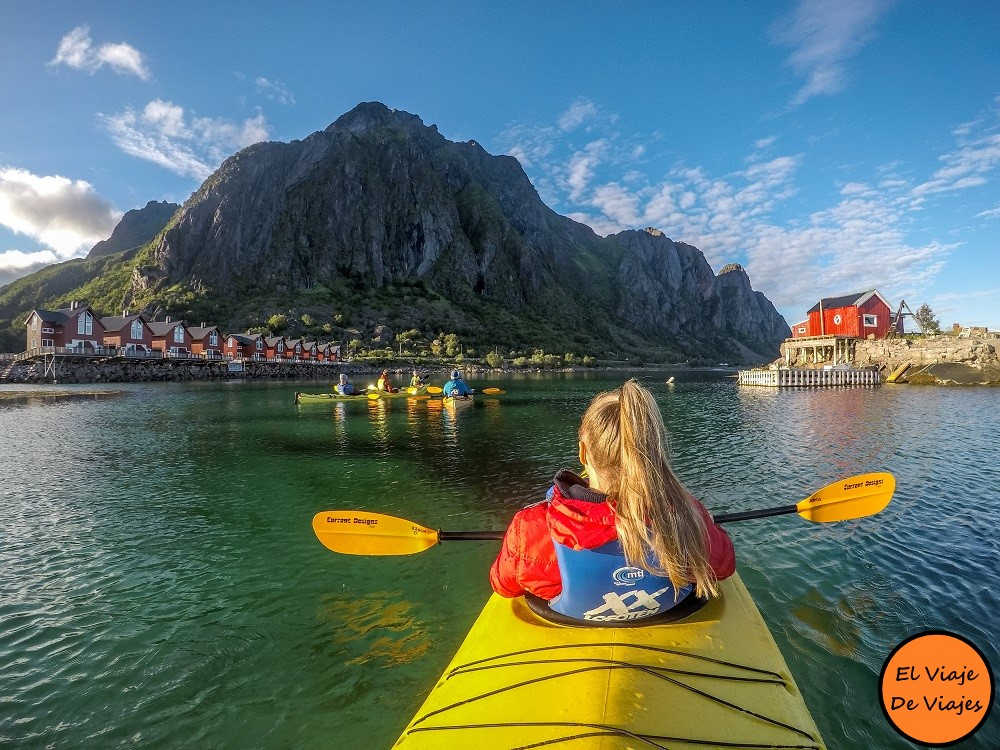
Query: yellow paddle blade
[(493, 391), (358, 532), (373, 395), (853, 497), (434, 389)]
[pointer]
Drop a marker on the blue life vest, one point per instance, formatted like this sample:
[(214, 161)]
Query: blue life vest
[(456, 387), (598, 585), (345, 390)]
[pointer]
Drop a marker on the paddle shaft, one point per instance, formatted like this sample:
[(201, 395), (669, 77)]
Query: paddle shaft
[(450, 536), (457, 536), (748, 514)]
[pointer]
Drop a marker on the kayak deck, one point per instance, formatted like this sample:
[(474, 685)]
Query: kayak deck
[(713, 679)]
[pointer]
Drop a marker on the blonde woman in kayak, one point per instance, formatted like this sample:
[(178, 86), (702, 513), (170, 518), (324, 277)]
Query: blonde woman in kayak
[(628, 543)]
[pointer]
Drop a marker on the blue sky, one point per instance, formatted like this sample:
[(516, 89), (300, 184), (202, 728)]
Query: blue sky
[(827, 146)]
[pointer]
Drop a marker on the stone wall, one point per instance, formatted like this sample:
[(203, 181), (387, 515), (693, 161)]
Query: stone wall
[(975, 352), (91, 370)]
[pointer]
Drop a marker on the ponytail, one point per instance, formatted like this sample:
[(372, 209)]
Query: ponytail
[(659, 525)]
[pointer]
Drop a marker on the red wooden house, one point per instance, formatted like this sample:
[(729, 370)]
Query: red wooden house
[(171, 337), (275, 347), (206, 341), (857, 315), (238, 346), (293, 349), (310, 350), (73, 327), (131, 334), (328, 352)]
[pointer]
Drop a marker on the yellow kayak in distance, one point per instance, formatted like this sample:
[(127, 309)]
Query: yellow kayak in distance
[(331, 397), (456, 402), (713, 679)]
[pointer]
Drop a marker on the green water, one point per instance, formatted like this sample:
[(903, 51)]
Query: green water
[(160, 584)]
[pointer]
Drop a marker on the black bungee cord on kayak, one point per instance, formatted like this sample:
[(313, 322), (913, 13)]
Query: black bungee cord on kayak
[(609, 665), (620, 664), (606, 730), (619, 644)]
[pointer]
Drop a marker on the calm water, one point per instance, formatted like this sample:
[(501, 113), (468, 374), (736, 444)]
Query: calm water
[(160, 584)]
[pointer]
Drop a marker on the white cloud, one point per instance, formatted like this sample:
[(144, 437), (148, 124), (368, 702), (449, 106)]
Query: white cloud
[(76, 50), (274, 90), (581, 167), (765, 142), (823, 36), (193, 146), (65, 215), (579, 112), (964, 167), (990, 213)]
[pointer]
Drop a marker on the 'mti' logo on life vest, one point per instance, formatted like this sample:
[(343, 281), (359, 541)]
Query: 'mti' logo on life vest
[(628, 576)]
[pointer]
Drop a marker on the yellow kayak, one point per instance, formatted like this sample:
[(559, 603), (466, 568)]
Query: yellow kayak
[(457, 401), (713, 679), (325, 398)]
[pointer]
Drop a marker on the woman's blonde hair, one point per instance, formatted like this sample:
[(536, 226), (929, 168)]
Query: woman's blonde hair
[(659, 526)]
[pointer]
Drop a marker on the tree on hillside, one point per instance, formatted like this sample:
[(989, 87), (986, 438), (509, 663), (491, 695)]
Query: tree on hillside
[(277, 323), (493, 359), (925, 316), (451, 344)]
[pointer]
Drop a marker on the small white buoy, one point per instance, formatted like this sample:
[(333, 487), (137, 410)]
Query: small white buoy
[(670, 380)]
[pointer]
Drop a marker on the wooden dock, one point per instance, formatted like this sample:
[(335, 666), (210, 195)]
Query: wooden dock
[(792, 377)]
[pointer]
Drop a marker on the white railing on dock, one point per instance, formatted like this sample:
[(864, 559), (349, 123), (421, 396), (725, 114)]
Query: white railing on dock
[(808, 377)]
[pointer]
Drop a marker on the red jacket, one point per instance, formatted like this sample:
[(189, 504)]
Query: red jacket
[(579, 518)]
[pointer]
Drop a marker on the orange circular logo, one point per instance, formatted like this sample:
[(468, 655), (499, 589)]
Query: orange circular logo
[(936, 688)]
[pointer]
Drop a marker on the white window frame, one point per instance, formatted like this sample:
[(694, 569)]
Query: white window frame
[(801, 329), (132, 330), (85, 324), (874, 320), (213, 339), (48, 330), (46, 342), (179, 334), (260, 343), (838, 319)]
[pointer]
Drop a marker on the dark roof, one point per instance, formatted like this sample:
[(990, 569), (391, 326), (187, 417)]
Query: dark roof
[(240, 338), (117, 322), (162, 327), (50, 316), (200, 332), (845, 300)]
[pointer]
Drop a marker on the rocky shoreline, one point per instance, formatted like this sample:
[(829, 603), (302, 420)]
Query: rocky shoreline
[(932, 360)]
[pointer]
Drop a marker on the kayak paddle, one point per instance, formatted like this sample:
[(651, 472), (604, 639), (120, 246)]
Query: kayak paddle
[(359, 532), (493, 391), (435, 389)]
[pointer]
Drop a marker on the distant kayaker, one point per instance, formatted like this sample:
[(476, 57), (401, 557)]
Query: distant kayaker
[(627, 543), (456, 386), (345, 387), (384, 384), (416, 381)]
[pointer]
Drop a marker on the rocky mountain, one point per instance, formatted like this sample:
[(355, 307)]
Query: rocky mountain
[(379, 219), (137, 227)]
